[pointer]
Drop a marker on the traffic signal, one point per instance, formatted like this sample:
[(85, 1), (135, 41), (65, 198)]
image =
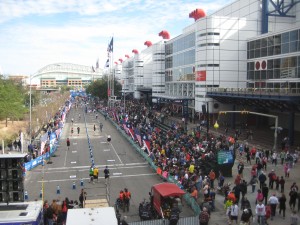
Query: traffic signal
[(11, 178)]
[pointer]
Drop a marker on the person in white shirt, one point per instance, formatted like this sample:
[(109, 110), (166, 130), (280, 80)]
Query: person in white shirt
[(260, 211), (273, 200), (234, 213)]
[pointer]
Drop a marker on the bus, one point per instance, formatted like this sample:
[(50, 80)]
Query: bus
[(21, 213)]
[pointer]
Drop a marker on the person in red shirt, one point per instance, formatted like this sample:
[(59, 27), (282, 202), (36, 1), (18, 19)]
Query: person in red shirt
[(127, 197), (68, 143)]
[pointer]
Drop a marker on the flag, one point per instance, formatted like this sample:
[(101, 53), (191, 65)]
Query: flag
[(147, 145), (97, 64), (138, 136), (131, 132), (107, 63), (93, 69), (110, 47)]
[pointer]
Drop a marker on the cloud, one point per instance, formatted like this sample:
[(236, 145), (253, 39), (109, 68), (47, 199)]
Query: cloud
[(36, 33)]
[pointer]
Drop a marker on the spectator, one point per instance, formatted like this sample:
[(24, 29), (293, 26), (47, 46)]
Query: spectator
[(294, 218), (282, 204), (260, 211), (273, 201), (204, 217)]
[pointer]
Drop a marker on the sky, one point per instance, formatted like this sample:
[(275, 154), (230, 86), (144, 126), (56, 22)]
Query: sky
[(35, 33)]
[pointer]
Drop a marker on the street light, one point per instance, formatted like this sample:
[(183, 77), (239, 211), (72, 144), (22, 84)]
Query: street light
[(30, 106)]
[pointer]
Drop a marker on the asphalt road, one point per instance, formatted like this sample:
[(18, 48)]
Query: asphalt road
[(127, 168)]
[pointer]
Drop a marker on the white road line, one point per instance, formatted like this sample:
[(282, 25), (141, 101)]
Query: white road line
[(111, 177), (72, 176), (111, 160), (116, 153), (75, 143), (74, 151), (99, 166), (103, 142), (106, 150), (114, 174), (65, 162), (73, 162), (67, 170)]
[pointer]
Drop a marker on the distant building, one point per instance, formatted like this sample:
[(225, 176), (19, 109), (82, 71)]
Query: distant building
[(66, 74), (19, 79)]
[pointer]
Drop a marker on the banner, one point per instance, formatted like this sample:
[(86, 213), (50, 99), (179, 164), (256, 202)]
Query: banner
[(225, 157)]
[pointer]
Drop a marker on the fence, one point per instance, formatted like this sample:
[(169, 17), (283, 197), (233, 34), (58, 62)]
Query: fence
[(182, 221)]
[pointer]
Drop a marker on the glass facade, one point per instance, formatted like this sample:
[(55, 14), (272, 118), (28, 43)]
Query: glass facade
[(287, 42), (180, 59)]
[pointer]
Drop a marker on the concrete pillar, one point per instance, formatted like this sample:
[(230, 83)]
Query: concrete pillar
[(291, 127)]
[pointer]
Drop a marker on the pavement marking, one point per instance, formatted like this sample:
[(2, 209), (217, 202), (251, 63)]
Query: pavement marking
[(65, 162), (106, 150), (73, 162), (111, 177), (103, 142), (116, 153), (75, 143), (73, 176), (74, 151), (110, 160), (99, 166), (114, 174)]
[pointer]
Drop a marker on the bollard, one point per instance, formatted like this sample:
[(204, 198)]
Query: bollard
[(58, 190), (81, 182), (26, 196), (74, 185), (41, 193)]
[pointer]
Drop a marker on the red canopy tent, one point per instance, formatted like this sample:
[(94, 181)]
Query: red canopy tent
[(168, 190)]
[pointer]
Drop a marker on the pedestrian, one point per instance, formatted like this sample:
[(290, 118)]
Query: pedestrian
[(101, 127), (282, 182), (277, 182), (272, 178), (204, 217), (293, 197), (212, 177), (72, 131), (106, 175), (282, 204), (72, 120), (246, 216), (262, 179), (240, 168), (286, 170), (68, 143), (96, 174), (94, 128), (259, 196), (260, 211), (253, 182), (234, 213), (265, 192), (96, 116), (248, 156), (274, 158), (282, 157), (91, 174), (294, 218), (78, 130), (273, 201), (127, 198)]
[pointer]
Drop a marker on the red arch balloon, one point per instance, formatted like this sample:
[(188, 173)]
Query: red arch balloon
[(197, 14), (148, 43), (164, 34)]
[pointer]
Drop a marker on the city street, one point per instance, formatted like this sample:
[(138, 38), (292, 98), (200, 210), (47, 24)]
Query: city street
[(127, 168)]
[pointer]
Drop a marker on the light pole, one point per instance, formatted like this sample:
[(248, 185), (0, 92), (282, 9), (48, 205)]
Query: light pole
[(30, 105)]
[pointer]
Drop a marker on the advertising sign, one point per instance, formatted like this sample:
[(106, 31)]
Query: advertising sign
[(225, 157)]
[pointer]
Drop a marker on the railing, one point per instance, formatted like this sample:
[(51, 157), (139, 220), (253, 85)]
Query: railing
[(258, 91), (182, 221)]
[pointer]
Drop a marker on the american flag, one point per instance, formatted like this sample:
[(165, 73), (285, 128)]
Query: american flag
[(125, 127), (110, 47), (147, 145), (131, 132), (97, 64), (138, 136)]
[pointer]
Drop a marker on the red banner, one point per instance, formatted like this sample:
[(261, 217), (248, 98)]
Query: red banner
[(108, 92), (201, 75)]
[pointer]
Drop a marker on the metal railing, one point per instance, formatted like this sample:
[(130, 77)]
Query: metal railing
[(257, 91)]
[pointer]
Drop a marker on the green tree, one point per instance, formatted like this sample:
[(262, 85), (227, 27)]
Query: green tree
[(98, 88), (11, 100)]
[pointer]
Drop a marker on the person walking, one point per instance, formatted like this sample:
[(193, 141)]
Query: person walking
[(68, 143), (78, 130), (260, 211), (273, 200), (234, 213), (293, 197), (91, 174), (94, 128), (294, 218), (281, 183), (72, 131), (265, 192), (72, 120), (106, 175), (101, 127), (282, 205), (127, 198), (204, 217)]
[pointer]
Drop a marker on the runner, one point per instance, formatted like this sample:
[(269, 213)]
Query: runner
[(72, 131), (78, 130), (94, 128), (68, 143), (101, 126), (106, 175)]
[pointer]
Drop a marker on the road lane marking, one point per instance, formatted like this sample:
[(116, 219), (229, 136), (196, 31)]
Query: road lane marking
[(103, 142), (75, 143), (116, 153), (111, 160), (74, 151), (73, 162), (73, 176), (115, 174), (106, 150), (65, 162), (111, 177), (82, 167)]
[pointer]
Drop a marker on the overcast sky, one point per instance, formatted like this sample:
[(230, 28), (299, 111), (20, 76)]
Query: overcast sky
[(35, 33)]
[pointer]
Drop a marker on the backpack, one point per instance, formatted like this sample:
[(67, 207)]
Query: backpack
[(274, 176)]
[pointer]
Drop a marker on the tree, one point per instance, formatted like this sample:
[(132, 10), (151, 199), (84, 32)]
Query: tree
[(99, 88), (11, 100)]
